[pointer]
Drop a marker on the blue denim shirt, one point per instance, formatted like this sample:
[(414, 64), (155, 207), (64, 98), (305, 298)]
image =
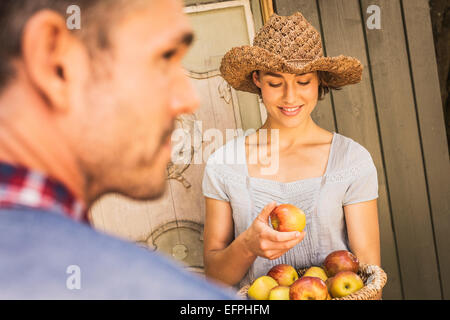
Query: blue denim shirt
[(48, 256)]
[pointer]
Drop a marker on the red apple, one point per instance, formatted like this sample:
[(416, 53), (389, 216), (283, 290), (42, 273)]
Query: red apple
[(286, 218), (284, 274), (344, 283), (341, 260), (308, 288)]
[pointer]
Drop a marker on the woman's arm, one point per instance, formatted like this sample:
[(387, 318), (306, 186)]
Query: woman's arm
[(225, 260), (363, 231), (228, 260)]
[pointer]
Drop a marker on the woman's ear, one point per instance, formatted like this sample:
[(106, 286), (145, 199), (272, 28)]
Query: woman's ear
[(256, 79)]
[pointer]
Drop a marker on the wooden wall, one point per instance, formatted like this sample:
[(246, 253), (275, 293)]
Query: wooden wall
[(396, 113)]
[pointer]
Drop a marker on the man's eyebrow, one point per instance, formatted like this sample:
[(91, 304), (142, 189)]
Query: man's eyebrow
[(184, 40)]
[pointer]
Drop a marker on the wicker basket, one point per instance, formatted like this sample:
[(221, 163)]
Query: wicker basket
[(374, 280)]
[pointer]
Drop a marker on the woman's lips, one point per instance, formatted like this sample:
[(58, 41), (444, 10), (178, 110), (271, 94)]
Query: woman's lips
[(291, 111)]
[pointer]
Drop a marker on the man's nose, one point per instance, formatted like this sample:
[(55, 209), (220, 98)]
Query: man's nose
[(185, 98)]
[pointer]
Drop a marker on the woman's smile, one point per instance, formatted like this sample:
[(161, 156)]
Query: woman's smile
[(290, 111)]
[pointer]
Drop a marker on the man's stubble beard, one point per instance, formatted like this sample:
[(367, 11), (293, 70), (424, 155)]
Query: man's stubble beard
[(148, 191), (139, 186), (101, 180)]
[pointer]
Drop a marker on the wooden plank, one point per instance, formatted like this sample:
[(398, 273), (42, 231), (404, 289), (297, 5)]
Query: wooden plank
[(323, 113), (128, 219), (216, 112), (267, 9), (222, 106), (257, 13), (402, 152), (189, 202), (343, 34), (432, 127), (249, 110)]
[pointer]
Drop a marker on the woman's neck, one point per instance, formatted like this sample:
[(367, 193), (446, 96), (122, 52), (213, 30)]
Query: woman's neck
[(290, 137)]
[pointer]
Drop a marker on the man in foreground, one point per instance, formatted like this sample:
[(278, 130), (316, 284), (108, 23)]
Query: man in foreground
[(84, 113)]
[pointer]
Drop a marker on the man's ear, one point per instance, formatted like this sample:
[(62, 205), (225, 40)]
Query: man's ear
[(44, 43), (256, 79)]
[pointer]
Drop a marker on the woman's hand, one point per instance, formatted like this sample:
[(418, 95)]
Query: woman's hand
[(263, 241)]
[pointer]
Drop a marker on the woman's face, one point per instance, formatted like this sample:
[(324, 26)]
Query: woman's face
[(289, 98)]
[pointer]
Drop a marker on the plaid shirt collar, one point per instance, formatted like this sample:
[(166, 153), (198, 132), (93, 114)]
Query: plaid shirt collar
[(20, 187)]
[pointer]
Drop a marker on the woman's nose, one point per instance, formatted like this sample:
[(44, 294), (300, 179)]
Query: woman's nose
[(289, 94)]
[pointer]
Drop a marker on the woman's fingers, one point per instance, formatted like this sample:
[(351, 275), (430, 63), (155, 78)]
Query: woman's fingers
[(277, 236), (265, 213), (291, 243), (278, 248), (275, 254), (284, 245)]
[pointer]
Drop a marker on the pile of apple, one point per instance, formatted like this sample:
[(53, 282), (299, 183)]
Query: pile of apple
[(336, 278)]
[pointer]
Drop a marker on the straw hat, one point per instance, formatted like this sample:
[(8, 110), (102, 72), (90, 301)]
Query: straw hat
[(288, 45)]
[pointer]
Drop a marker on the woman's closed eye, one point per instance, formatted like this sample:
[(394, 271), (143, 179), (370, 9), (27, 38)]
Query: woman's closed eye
[(275, 85)]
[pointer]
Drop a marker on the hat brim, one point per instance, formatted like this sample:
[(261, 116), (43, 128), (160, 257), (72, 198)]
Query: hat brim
[(239, 63)]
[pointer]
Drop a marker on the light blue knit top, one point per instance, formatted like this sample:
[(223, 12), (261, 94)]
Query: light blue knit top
[(350, 177)]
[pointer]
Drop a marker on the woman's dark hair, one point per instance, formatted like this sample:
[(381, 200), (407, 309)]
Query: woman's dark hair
[(324, 88)]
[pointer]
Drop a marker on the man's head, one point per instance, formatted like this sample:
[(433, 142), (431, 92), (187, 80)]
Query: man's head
[(112, 89)]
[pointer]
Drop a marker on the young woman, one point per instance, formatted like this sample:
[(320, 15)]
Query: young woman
[(329, 176)]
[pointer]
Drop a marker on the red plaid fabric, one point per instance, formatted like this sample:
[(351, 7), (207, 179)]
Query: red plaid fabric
[(20, 187)]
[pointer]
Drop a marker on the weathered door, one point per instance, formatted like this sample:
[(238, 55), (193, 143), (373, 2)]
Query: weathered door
[(174, 223)]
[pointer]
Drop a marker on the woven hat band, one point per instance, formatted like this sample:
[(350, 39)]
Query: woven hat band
[(299, 63)]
